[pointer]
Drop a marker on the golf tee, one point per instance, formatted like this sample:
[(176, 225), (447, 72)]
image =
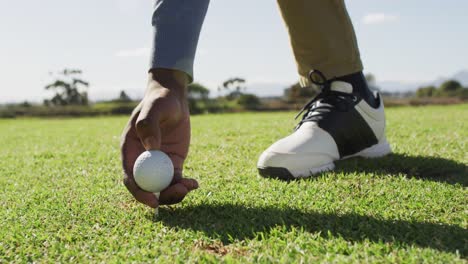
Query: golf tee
[(156, 211)]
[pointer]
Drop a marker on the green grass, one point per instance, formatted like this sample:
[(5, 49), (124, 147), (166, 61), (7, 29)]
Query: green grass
[(62, 198)]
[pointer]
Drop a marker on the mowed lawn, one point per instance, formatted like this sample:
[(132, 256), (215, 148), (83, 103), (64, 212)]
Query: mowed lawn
[(62, 197)]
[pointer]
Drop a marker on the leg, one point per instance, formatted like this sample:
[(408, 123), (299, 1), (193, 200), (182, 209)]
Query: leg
[(322, 37), (345, 119)]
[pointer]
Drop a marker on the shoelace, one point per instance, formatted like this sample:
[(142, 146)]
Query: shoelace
[(326, 101)]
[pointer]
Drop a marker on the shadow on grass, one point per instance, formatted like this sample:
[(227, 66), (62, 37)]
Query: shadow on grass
[(236, 222), (420, 167)]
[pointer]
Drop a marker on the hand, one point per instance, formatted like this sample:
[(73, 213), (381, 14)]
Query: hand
[(160, 122)]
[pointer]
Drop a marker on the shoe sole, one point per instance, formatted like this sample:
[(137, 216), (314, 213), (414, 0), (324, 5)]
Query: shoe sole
[(375, 151)]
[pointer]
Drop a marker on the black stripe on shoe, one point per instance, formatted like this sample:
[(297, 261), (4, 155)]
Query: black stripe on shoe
[(349, 130)]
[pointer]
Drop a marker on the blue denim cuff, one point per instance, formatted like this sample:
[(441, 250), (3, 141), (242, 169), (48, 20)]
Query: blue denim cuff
[(177, 25)]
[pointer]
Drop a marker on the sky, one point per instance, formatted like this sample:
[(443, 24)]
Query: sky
[(110, 40)]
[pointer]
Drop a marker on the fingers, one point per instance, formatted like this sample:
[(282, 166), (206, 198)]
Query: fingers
[(173, 194), (190, 184), (141, 196), (160, 111), (177, 192), (131, 148)]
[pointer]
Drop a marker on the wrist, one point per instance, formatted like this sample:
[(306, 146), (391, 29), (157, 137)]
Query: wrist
[(174, 81)]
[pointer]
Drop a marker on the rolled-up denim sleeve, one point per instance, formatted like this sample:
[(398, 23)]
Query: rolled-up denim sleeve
[(177, 25)]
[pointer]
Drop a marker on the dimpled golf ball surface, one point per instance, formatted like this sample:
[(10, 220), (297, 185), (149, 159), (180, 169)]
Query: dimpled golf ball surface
[(153, 171)]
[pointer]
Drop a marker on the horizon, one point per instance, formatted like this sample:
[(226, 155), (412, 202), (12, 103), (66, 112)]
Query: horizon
[(112, 44), (259, 89)]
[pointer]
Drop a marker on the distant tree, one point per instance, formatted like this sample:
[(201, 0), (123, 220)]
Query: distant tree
[(427, 91), (197, 93), (25, 104), (123, 97), (450, 85), (297, 94), (249, 101), (450, 88), (234, 87), (69, 87), (463, 93)]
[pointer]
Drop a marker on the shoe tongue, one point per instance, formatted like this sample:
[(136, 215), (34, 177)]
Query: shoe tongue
[(340, 86)]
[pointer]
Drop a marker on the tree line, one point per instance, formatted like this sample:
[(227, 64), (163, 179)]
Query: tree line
[(449, 88), (70, 89)]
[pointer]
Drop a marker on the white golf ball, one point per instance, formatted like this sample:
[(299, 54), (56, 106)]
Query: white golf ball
[(153, 171)]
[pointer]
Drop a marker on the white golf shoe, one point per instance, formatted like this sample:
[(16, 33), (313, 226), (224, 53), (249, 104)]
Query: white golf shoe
[(337, 124)]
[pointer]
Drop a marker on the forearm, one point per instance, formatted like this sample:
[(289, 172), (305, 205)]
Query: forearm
[(177, 25)]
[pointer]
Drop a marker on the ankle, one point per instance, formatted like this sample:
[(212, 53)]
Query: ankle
[(360, 87)]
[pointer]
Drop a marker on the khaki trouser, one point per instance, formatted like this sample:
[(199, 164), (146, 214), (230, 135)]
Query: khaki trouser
[(322, 37), (321, 34)]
